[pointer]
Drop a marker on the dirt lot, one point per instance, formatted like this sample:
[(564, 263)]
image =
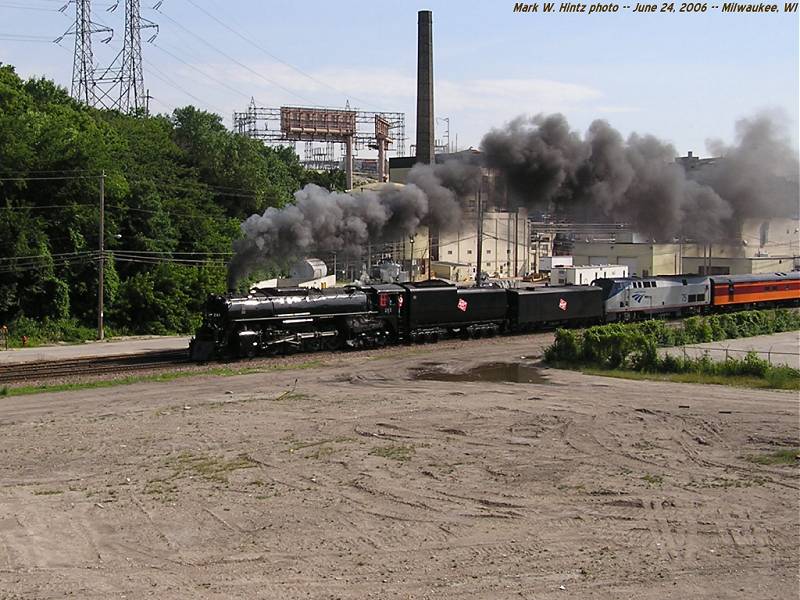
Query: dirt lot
[(362, 483)]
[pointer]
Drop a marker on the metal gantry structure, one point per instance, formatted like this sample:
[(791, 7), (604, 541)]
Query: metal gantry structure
[(120, 85), (264, 123)]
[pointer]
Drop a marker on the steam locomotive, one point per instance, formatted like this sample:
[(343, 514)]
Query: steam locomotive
[(272, 321)]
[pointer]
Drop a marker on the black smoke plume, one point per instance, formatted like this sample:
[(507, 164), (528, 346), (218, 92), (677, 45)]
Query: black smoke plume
[(327, 222), (597, 176), (602, 177)]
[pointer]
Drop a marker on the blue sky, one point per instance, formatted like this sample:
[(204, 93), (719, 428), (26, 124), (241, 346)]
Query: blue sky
[(683, 77)]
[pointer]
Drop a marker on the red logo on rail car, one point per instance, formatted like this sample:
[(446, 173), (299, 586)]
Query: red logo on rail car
[(562, 304), (462, 305)]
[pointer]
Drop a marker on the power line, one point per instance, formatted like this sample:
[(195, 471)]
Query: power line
[(165, 78), (46, 206), (203, 73), (34, 256), (229, 57), (23, 7), (52, 171), (271, 55), (4, 39), (26, 35), (59, 178), (170, 252)]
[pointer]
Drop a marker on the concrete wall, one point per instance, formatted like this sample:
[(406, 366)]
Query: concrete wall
[(672, 259), (773, 237), (506, 245), (742, 266), (642, 260)]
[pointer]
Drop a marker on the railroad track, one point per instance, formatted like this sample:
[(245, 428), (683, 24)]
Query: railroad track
[(92, 365)]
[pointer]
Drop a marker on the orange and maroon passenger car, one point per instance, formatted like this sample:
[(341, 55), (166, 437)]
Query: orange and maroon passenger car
[(735, 291)]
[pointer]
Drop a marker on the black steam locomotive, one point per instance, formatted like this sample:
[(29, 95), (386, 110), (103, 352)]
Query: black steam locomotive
[(280, 320)]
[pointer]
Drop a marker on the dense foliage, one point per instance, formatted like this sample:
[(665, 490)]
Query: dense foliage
[(176, 190), (635, 345)]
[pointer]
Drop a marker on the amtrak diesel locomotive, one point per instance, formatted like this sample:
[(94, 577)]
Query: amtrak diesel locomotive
[(280, 320)]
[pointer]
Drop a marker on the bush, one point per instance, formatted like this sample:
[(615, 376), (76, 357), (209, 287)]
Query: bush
[(48, 331), (645, 358), (635, 345), (696, 330), (566, 347)]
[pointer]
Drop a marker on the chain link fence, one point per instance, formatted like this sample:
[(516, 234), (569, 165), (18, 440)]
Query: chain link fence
[(720, 352)]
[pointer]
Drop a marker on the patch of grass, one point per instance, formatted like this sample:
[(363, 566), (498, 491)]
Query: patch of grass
[(644, 445), (653, 479), (289, 396), (787, 456), (302, 445), (160, 487), (321, 452), (726, 482), (398, 453), (403, 353), (159, 377), (735, 381), (209, 467), (47, 492)]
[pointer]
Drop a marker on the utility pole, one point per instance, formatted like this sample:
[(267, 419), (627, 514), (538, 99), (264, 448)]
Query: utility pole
[(478, 281), (101, 263)]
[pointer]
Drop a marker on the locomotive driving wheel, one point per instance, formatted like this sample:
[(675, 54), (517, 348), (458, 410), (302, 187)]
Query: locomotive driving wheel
[(334, 342), (313, 344)]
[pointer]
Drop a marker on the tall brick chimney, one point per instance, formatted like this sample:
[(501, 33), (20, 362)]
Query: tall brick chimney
[(425, 119)]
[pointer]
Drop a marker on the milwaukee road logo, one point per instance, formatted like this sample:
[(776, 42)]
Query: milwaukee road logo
[(562, 304), (462, 305)]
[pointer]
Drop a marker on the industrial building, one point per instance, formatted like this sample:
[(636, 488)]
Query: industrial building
[(762, 246), (506, 250)]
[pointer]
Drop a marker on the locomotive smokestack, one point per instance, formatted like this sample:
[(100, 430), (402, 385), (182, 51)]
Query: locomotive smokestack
[(425, 123)]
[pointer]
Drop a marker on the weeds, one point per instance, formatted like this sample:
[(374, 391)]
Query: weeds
[(653, 479), (631, 350), (209, 467), (47, 492), (398, 453), (168, 376), (787, 456)]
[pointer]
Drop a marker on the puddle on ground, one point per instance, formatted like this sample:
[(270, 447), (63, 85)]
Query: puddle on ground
[(512, 372)]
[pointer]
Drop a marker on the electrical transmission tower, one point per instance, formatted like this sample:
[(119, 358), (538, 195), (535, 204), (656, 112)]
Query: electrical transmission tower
[(120, 86), (132, 97), (83, 82)]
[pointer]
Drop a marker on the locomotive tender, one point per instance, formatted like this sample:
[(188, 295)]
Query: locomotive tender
[(278, 320)]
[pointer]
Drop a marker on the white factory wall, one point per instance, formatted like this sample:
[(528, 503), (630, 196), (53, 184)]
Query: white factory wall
[(506, 245), (642, 260), (585, 274)]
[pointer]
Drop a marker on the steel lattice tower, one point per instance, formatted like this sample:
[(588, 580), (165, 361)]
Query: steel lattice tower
[(132, 97), (83, 83)]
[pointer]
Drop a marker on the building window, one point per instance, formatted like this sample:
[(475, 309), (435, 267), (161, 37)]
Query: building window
[(488, 251), (449, 251)]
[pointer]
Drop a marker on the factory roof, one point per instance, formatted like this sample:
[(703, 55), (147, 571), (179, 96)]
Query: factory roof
[(406, 162)]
